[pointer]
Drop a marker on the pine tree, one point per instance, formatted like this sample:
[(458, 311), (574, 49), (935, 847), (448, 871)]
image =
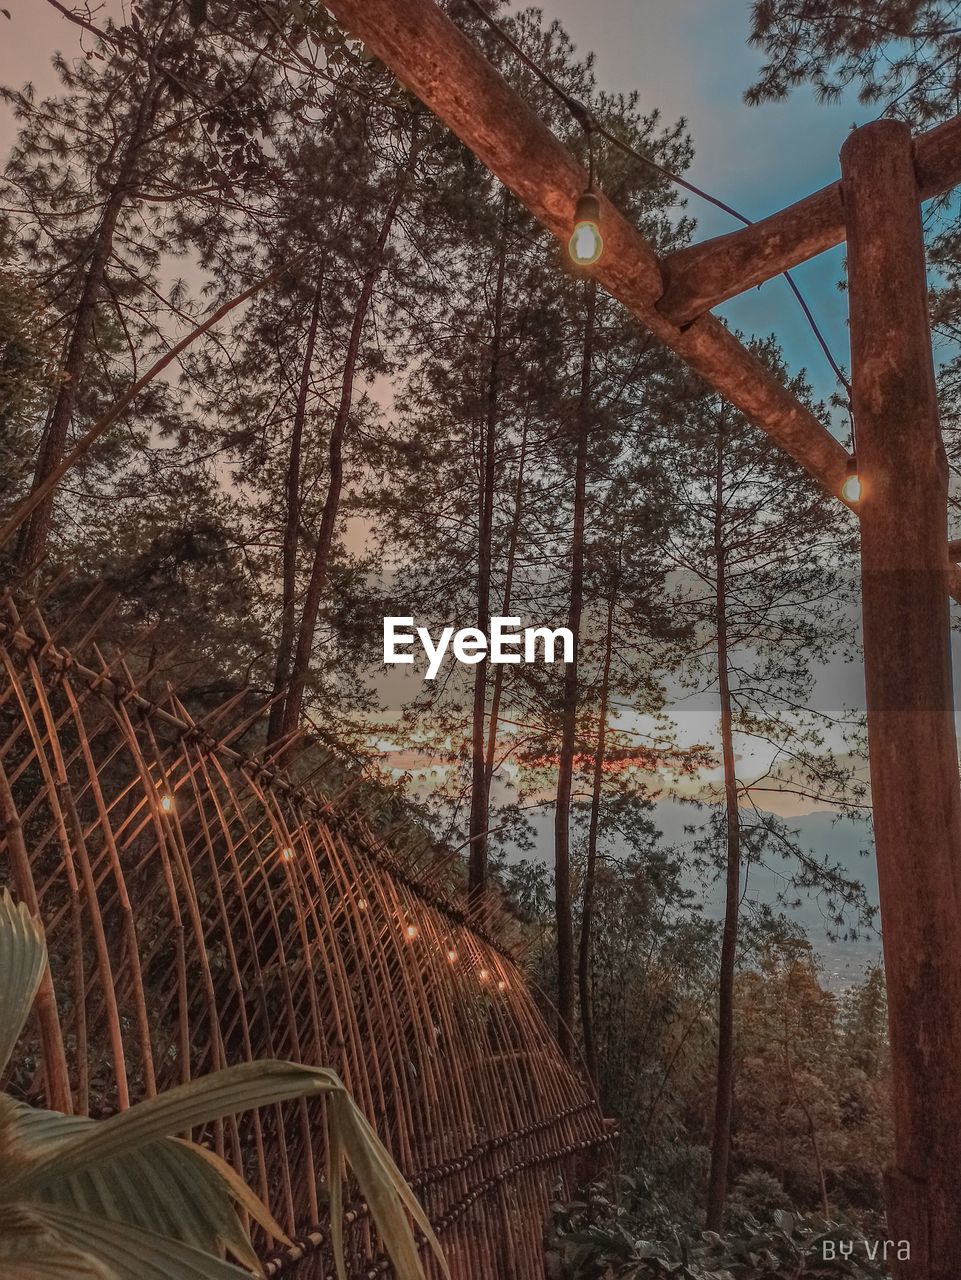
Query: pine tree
[(97, 173), (762, 551)]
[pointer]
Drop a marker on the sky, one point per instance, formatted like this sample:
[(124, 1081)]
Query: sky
[(691, 58)]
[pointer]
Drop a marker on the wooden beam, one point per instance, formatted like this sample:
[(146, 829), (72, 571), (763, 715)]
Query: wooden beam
[(701, 276), (452, 77), (907, 660)]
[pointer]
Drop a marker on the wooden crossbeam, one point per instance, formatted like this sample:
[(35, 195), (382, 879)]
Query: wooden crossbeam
[(452, 77), (703, 275)]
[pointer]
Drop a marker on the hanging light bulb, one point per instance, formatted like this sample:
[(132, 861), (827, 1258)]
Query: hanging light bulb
[(586, 243), (167, 803), (851, 489)]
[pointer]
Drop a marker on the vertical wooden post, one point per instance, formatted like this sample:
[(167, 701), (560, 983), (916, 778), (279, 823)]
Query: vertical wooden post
[(907, 661)]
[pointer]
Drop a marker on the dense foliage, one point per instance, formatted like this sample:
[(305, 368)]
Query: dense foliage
[(631, 1237)]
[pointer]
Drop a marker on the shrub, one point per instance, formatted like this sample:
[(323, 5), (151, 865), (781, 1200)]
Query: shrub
[(604, 1236)]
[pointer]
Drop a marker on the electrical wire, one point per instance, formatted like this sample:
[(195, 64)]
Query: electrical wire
[(590, 125)]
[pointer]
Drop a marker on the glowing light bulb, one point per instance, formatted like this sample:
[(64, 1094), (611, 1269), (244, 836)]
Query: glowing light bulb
[(411, 932), (501, 985), (287, 854), (484, 975), (851, 489), (586, 243), (452, 955), (362, 904), (167, 803)]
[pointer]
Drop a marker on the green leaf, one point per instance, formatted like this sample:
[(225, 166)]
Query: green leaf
[(784, 1220), (383, 1187), (30, 1251), (239, 1190), (127, 1253), (166, 1187), (223, 1093), (335, 1186), (23, 957)]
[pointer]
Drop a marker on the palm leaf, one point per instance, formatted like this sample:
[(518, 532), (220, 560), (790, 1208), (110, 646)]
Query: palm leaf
[(167, 1187), (30, 1251), (239, 1190), (383, 1187), (335, 1185), (23, 957), (223, 1093), (53, 1263), (129, 1253), (122, 1199)]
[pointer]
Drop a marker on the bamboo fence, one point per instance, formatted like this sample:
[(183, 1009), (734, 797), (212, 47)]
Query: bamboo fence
[(202, 910)]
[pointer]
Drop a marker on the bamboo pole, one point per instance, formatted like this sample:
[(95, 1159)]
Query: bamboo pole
[(911, 725)]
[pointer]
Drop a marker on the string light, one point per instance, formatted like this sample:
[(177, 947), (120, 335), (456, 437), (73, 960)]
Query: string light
[(362, 904), (501, 985), (411, 932), (484, 975), (287, 853), (851, 489), (585, 119), (586, 243), (452, 955), (167, 803)]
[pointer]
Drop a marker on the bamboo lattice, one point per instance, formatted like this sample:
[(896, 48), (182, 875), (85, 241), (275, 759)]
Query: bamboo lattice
[(202, 910)]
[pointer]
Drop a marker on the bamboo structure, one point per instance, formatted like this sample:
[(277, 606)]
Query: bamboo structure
[(203, 910), (906, 570)]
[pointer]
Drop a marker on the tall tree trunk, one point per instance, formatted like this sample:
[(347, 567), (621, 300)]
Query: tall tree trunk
[(480, 786), (590, 873), (566, 986), (320, 569), (724, 1097), (498, 688), (285, 641), (33, 535)]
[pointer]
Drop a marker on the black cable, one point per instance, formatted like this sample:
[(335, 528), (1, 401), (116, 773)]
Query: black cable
[(590, 125), (586, 120)]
